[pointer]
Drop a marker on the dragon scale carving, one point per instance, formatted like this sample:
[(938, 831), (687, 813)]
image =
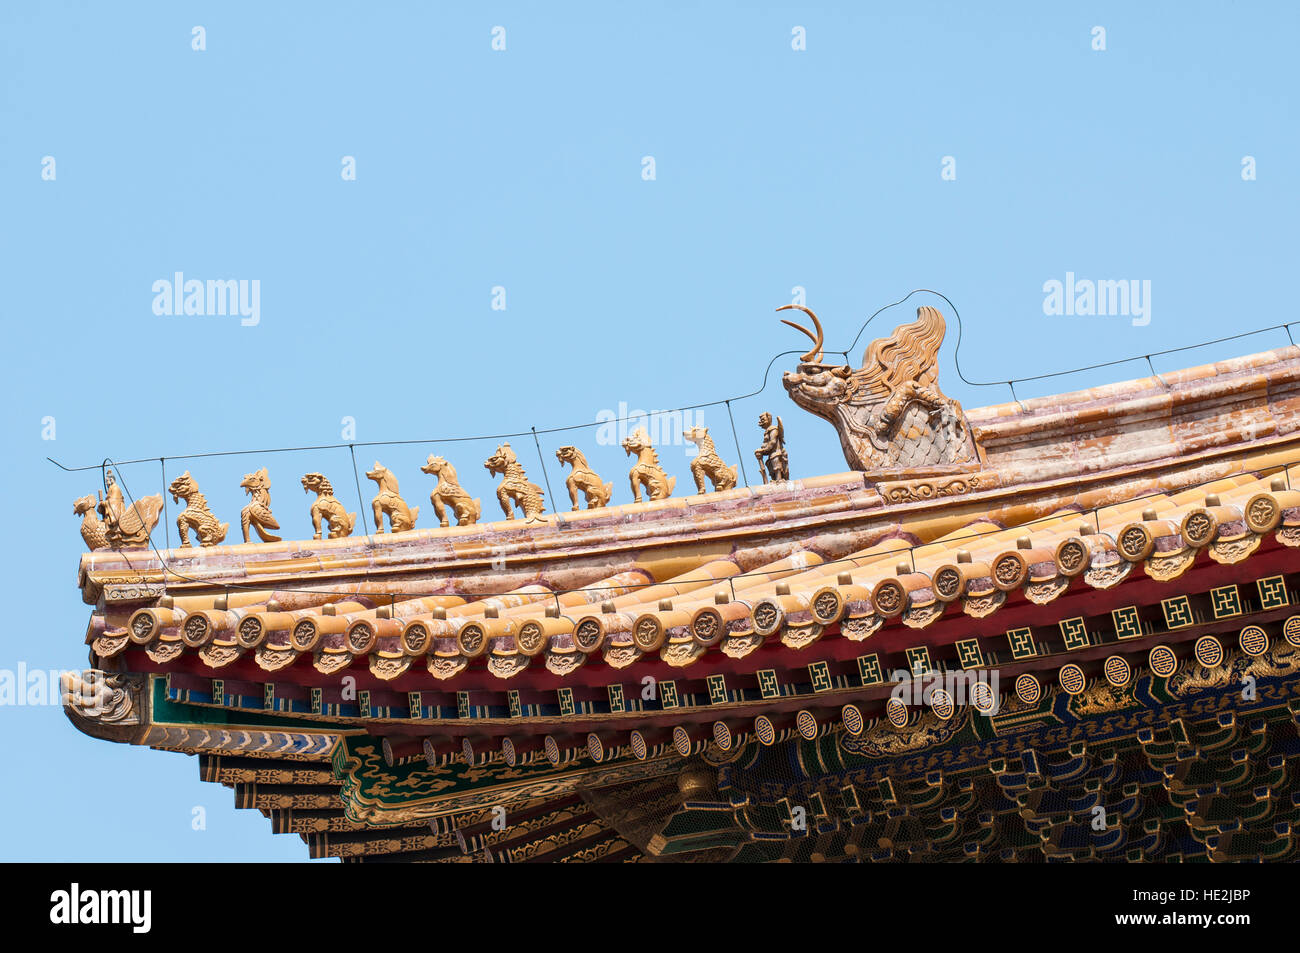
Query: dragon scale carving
[(196, 515), (647, 472), (515, 488), (708, 465)]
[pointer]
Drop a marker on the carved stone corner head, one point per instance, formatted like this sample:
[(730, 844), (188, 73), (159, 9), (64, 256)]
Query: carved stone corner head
[(889, 413), (107, 705)]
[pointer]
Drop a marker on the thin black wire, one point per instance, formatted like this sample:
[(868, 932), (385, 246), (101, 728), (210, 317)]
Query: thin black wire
[(361, 500), (554, 503), (910, 549), (726, 400), (736, 437), (167, 520)]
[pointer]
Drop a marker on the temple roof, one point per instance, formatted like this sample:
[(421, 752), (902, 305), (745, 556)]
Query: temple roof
[(1081, 487), (729, 606), (1110, 537)]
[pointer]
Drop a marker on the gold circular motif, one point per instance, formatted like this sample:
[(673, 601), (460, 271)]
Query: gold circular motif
[(1162, 661), (941, 703), (142, 626), (1028, 689), (1009, 571), (250, 632), (764, 730), (508, 752), (415, 639), (1291, 630), (587, 636), (1263, 513), (531, 638), (552, 749), (827, 606), (304, 636), (706, 627), (889, 596), (1208, 651), (896, 711), (767, 617), (1117, 671), (648, 633), (722, 735), (1198, 527), (854, 723), (472, 640), (1072, 557), (682, 741), (1072, 679), (1253, 640), (1136, 543), (640, 750), (947, 583), (595, 747), (806, 724), (983, 698), (361, 637), (196, 631)]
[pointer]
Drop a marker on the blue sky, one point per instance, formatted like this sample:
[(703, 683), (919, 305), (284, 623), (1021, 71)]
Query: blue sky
[(522, 169)]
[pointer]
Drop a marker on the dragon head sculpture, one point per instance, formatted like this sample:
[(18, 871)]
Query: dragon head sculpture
[(316, 483), (637, 441), (183, 487), (816, 386), (501, 461), (889, 413)]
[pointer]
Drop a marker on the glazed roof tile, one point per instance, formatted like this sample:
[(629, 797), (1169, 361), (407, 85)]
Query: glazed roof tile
[(1072, 490), (722, 605)]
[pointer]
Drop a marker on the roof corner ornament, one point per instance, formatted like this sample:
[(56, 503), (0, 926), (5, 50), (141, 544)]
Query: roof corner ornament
[(773, 462), (107, 698), (257, 514), (449, 493), (326, 508), (647, 472), (515, 489), (708, 464), (196, 515), (889, 413), (121, 526), (389, 501), (584, 479)]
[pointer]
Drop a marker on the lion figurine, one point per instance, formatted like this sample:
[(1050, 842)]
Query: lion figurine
[(327, 508)]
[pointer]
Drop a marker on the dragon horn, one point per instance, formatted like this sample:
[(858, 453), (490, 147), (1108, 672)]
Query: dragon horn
[(816, 353)]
